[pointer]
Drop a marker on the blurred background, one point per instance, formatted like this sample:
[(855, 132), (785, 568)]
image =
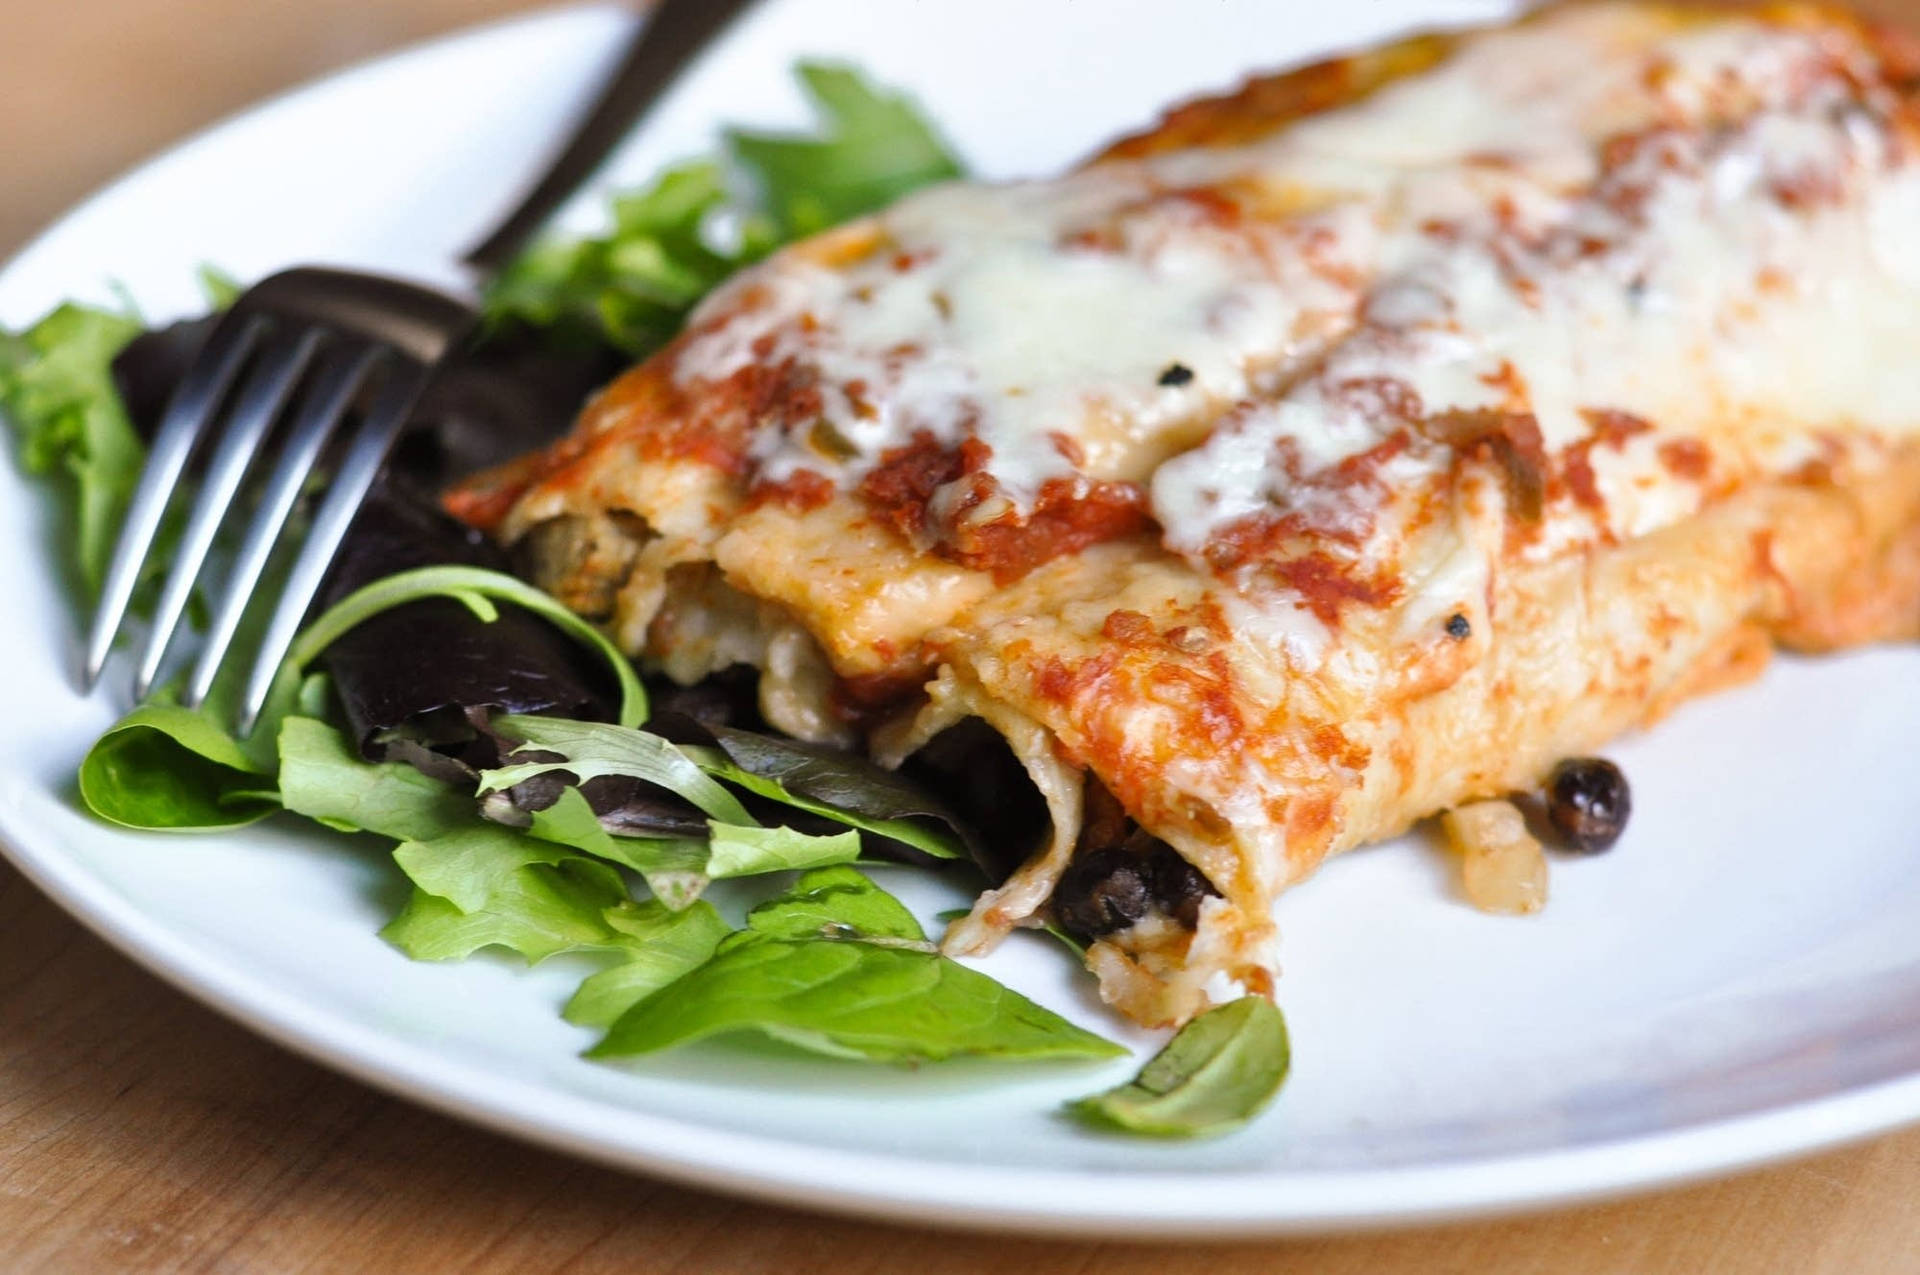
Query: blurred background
[(89, 87)]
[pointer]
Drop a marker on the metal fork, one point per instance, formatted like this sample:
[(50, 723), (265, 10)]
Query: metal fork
[(319, 342)]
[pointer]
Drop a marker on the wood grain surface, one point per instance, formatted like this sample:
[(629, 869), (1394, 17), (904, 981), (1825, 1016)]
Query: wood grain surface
[(139, 1131)]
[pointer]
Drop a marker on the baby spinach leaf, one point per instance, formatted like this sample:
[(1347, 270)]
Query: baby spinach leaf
[(835, 903), (837, 966), (1213, 1076), (849, 999), (167, 768), (833, 783), (661, 945)]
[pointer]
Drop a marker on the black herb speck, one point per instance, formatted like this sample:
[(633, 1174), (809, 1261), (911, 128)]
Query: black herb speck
[(1457, 627), (1176, 374)]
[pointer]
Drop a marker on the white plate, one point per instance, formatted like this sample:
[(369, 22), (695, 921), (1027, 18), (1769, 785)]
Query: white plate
[(1739, 980)]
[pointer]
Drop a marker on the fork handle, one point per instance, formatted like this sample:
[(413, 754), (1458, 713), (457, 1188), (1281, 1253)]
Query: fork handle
[(667, 38)]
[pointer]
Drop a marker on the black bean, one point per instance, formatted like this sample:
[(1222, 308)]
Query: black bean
[(1102, 892), (1177, 374), (1178, 886), (1458, 628), (1588, 802), (1112, 888)]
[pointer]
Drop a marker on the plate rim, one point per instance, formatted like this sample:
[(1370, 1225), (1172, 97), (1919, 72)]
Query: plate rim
[(1207, 1205), (972, 1197)]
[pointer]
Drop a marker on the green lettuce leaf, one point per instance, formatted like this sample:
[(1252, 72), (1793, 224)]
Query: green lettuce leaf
[(1214, 1076), (845, 990), (678, 870), (593, 749), (633, 285), (323, 777), (219, 288), (477, 884), (488, 885), (169, 768), (545, 922), (794, 774), (675, 869), (735, 851), (56, 383), (872, 147), (473, 867), (662, 945)]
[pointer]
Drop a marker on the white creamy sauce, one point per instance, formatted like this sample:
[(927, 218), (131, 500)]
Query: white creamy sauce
[(1003, 327), (1294, 633), (1461, 233), (1702, 301)]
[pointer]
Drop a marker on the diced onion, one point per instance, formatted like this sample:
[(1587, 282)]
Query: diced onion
[(1501, 865)]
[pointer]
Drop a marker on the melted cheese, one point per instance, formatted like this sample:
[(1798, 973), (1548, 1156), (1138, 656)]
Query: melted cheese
[(1656, 261), (984, 316), (1707, 225), (1678, 286)]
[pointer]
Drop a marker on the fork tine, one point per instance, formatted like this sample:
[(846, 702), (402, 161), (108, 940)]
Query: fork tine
[(356, 474), (261, 401), (186, 418), (342, 373)]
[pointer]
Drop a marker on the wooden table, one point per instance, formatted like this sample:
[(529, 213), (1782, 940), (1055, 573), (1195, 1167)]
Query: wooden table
[(141, 1131)]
